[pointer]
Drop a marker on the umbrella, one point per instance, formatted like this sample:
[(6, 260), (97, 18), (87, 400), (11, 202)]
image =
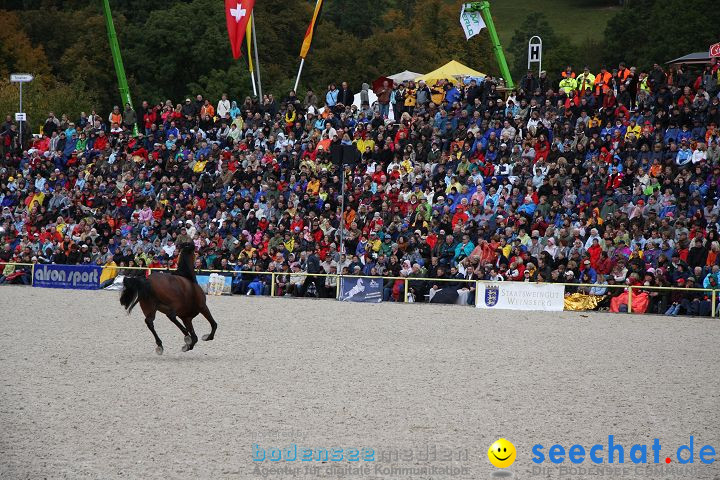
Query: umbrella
[(378, 83), (402, 76)]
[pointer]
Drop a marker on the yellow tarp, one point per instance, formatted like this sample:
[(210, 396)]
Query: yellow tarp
[(579, 302), (449, 70)]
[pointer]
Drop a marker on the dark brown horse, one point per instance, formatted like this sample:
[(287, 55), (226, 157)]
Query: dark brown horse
[(177, 295)]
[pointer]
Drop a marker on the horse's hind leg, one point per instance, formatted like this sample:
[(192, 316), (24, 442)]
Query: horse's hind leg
[(213, 324), (191, 339), (150, 322)]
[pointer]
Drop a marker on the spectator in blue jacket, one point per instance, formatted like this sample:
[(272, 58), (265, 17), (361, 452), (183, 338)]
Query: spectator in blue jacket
[(463, 249), (684, 155)]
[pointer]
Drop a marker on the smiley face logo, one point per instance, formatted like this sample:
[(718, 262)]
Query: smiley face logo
[(502, 453)]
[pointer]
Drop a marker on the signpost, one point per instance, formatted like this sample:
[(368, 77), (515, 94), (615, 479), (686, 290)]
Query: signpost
[(20, 116), (715, 50), (535, 53)]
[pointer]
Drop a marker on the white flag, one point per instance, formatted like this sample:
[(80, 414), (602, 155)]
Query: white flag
[(471, 20)]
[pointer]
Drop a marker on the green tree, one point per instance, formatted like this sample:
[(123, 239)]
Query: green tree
[(626, 34), (359, 18), (16, 50), (557, 52), (46, 94), (175, 47), (180, 47), (649, 31), (70, 56), (235, 81)]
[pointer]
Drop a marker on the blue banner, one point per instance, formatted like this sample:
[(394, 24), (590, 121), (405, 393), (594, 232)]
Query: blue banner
[(366, 290), (82, 277), (215, 284)]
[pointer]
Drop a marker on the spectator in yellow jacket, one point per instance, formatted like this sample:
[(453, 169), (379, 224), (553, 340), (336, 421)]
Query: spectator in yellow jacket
[(633, 131), (585, 80), (362, 144), (568, 85)]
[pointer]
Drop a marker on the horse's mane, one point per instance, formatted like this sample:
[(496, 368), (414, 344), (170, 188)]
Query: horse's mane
[(185, 267)]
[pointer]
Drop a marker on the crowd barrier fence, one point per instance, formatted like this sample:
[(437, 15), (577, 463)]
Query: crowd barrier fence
[(407, 280)]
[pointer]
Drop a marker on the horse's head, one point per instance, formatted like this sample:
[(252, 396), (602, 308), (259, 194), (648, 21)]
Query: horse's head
[(187, 248)]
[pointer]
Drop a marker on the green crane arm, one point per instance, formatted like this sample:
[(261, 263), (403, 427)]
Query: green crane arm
[(117, 59), (497, 48)]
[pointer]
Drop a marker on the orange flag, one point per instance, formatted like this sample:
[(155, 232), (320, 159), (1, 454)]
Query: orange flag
[(310, 30)]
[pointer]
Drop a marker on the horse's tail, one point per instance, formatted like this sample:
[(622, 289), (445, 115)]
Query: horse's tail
[(134, 290)]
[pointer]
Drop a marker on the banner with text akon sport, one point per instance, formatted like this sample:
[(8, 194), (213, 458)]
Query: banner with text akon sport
[(366, 290), (548, 297), (81, 277)]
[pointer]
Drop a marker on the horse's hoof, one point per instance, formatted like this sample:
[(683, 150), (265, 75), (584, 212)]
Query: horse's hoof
[(207, 337), (159, 350), (188, 339), (185, 348)]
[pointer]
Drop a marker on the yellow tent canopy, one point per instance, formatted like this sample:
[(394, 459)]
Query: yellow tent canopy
[(452, 69)]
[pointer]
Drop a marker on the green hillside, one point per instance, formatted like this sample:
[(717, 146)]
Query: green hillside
[(577, 20)]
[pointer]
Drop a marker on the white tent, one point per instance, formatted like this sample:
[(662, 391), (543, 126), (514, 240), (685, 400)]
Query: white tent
[(402, 76), (371, 97)]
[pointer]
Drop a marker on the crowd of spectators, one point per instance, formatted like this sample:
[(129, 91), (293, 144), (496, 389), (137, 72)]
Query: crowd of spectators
[(605, 178)]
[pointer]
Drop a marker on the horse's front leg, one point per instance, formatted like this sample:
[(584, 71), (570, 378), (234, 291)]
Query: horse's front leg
[(174, 320)]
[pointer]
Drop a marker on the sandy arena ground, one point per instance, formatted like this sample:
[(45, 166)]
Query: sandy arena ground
[(83, 394)]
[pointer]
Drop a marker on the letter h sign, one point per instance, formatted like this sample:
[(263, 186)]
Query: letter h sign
[(535, 52)]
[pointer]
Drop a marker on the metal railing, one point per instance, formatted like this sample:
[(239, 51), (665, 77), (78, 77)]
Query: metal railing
[(406, 280)]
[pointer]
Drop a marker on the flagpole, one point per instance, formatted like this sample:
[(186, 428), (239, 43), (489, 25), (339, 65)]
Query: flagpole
[(252, 77), (297, 80), (248, 37), (257, 60), (342, 208)]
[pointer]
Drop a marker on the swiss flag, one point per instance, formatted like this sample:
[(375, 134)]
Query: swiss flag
[(237, 14)]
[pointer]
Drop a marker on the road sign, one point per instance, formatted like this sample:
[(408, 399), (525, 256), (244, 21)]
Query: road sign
[(21, 77), (535, 52), (715, 50)]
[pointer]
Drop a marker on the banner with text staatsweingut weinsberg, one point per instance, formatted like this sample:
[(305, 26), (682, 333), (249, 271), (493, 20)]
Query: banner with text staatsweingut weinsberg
[(521, 296)]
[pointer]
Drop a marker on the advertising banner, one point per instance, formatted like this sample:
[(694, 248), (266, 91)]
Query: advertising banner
[(471, 19), (215, 284), (82, 277), (521, 296), (366, 290)]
